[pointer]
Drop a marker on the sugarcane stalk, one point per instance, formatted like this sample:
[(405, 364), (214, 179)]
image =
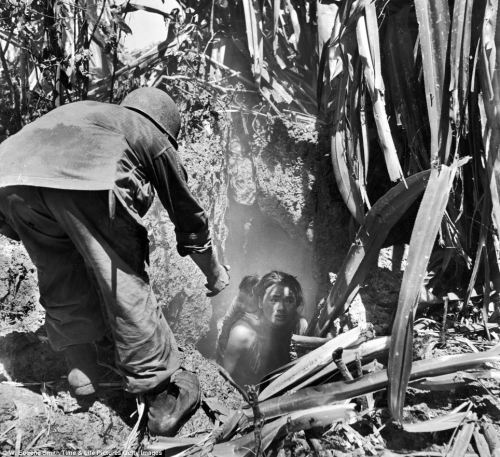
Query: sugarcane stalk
[(358, 366), (309, 363), (308, 342), (339, 391), (366, 401), (342, 367), (364, 351)]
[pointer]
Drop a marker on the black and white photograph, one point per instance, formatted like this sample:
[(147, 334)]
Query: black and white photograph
[(250, 228)]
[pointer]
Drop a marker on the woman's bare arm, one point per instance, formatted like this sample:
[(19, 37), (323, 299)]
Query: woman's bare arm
[(241, 338)]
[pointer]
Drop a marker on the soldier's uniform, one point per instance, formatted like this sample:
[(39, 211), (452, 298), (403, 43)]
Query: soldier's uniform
[(74, 185)]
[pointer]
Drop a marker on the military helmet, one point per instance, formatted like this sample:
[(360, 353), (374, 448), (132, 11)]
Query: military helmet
[(158, 106)]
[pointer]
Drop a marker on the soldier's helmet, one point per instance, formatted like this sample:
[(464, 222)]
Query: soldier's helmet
[(158, 106)]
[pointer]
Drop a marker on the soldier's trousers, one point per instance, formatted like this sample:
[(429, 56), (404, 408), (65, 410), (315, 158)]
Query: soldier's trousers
[(92, 276)]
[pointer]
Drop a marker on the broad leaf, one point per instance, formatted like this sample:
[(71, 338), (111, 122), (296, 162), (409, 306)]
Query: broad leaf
[(363, 254), (490, 85), (422, 241), (434, 28)]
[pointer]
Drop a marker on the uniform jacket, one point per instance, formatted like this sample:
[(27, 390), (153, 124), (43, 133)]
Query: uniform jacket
[(97, 146)]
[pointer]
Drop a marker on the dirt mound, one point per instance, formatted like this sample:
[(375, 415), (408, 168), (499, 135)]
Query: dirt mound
[(38, 413), (44, 419)]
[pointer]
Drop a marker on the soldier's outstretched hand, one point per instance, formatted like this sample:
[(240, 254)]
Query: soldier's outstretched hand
[(221, 282)]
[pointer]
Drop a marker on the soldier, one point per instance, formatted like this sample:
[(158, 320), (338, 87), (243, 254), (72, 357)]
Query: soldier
[(74, 185)]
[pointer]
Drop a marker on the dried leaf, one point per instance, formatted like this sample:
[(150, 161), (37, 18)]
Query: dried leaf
[(463, 437), (481, 443), (404, 88), (437, 424), (459, 60), (341, 146), (162, 443), (491, 436), (295, 23), (276, 18), (368, 44), (253, 23), (448, 382), (121, 24)]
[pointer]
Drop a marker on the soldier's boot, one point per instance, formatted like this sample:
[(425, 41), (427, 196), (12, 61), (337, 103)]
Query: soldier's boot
[(84, 371), (170, 406)]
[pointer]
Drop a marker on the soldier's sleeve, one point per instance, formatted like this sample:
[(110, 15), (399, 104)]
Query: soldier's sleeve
[(7, 230), (190, 221)]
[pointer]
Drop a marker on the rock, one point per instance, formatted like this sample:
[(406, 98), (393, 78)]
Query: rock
[(21, 402)]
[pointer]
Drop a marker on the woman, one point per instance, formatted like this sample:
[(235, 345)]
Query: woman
[(256, 339)]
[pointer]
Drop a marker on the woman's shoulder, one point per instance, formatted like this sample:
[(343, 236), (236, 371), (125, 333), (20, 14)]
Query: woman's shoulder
[(243, 333)]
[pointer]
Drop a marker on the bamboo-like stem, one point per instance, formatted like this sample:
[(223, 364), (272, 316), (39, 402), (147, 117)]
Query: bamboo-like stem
[(309, 363), (340, 391), (342, 367), (364, 351)]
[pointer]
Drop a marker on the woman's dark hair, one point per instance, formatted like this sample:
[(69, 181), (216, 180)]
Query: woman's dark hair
[(279, 278), (248, 283)]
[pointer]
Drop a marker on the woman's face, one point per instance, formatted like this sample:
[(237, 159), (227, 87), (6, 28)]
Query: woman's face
[(279, 305)]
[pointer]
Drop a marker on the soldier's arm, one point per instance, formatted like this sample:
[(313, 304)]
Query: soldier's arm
[(190, 221), (7, 230)]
